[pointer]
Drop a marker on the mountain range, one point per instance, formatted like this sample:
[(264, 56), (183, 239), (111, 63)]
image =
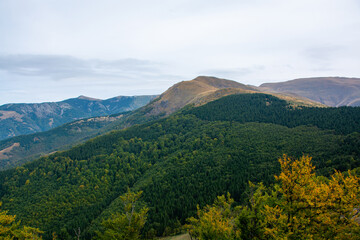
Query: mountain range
[(199, 139), (201, 90), (20, 119)]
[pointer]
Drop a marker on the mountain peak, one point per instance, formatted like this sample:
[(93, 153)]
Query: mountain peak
[(218, 82), (186, 92), (82, 97)]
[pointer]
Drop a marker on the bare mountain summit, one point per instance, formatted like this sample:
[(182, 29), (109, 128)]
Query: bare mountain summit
[(331, 91), (186, 92)]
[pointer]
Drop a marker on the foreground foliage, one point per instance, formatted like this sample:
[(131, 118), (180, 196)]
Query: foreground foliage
[(128, 224), (313, 207), (302, 206), (215, 222), (10, 229)]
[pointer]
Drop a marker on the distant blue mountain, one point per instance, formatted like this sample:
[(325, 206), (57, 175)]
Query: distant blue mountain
[(20, 119)]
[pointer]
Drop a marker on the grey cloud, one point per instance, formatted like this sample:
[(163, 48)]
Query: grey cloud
[(62, 67), (322, 57), (322, 53)]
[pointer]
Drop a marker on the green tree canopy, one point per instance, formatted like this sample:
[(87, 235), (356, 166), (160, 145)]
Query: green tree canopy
[(128, 224)]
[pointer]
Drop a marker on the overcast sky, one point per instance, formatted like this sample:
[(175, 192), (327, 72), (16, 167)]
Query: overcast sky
[(51, 50)]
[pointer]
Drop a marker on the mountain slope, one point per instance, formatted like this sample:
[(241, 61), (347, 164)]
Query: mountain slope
[(199, 91), (196, 92), (178, 162), (20, 119), (187, 92), (331, 91), (21, 149)]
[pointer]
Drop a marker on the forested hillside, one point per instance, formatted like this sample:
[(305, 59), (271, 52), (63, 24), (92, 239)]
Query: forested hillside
[(21, 149), (269, 109), (180, 161), (199, 91)]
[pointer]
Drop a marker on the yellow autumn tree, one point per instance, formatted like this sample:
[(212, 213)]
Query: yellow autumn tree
[(313, 207), (215, 222), (10, 229), (250, 219)]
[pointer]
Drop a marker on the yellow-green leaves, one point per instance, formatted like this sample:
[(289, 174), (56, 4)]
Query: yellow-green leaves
[(215, 222), (127, 225), (311, 208), (10, 229)]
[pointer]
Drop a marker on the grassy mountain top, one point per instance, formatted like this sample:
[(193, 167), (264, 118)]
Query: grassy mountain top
[(204, 89), (331, 91), (186, 92)]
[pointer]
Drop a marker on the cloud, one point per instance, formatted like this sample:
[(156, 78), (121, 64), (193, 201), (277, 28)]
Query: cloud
[(323, 53), (42, 78), (62, 67), (63, 44)]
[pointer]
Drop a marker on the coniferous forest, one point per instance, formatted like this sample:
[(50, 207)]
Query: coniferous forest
[(174, 169)]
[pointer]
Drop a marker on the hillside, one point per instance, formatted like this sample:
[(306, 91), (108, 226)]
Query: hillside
[(258, 107), (331, 91), (200, 91), (20, 119), (178, 162), (21, 149), (197, 92), (187, 92)]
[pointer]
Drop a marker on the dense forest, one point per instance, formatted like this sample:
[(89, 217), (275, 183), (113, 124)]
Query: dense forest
[(269, 109), (178, 162)]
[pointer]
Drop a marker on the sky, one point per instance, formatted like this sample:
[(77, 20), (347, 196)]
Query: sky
[(51, 50)]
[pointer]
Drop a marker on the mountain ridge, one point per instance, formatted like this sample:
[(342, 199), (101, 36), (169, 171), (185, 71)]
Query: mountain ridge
[(203, 89), (19, 119), (196, 92), (331, 91)]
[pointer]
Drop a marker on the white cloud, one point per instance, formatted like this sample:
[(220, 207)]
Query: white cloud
[(187, 38), (61, 67)]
